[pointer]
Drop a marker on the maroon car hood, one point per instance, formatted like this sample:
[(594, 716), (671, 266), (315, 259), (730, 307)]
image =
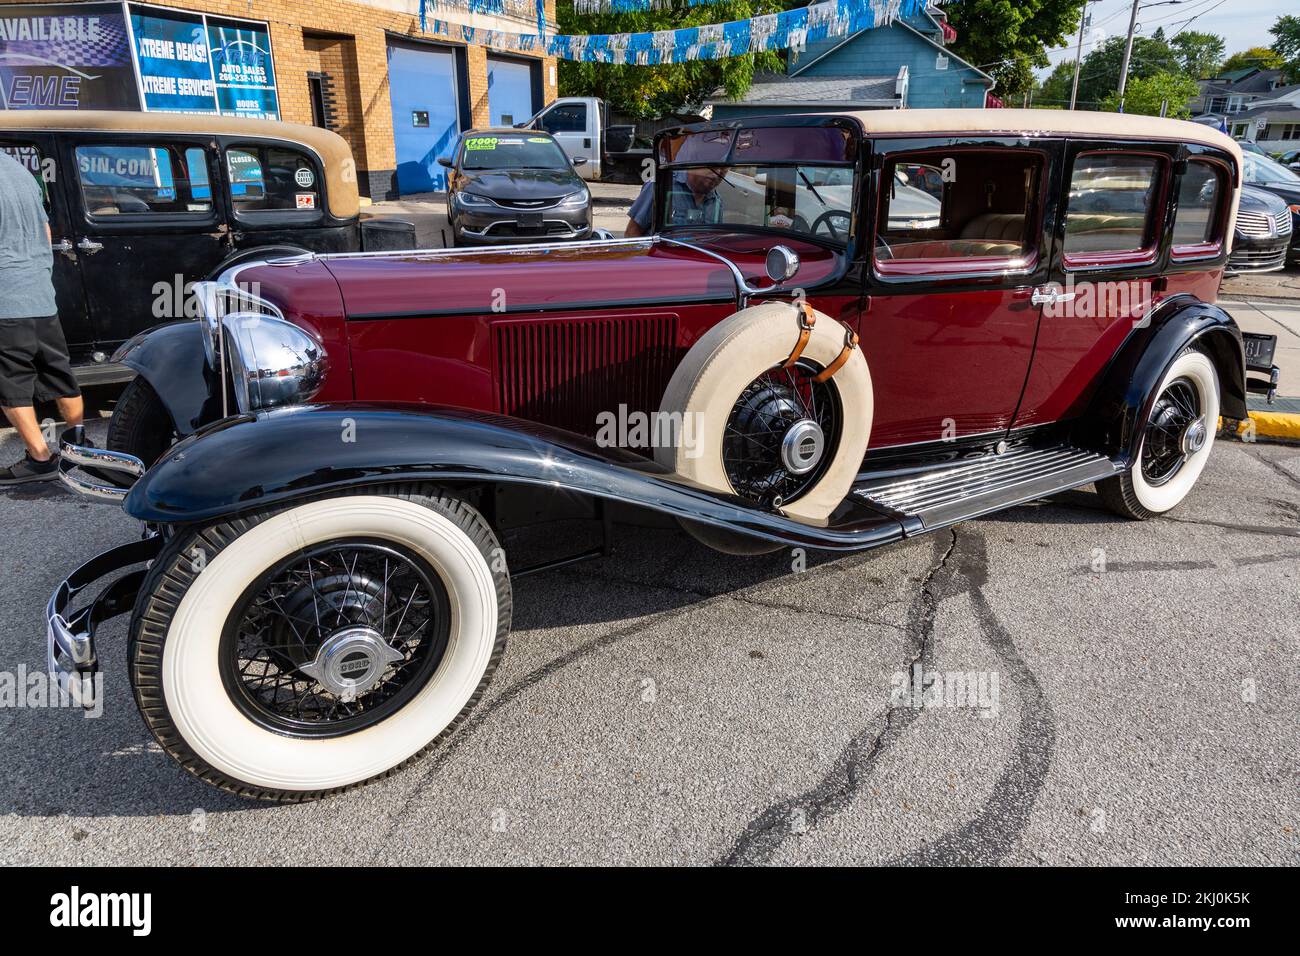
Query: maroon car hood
[(552, 277)]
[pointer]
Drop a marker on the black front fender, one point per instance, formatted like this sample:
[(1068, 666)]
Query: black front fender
[(1120, 409), (171, 359), (244, 464)]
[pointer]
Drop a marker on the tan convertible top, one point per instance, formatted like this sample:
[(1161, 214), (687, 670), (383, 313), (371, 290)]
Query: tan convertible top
[(1045, 122), (332, 149)]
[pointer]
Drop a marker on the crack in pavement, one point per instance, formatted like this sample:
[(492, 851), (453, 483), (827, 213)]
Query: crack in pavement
[(1276, 467), (766, 832), (487, 708)]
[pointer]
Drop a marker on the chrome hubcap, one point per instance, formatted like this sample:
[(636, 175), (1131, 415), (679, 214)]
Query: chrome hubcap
[(1194, 437), (351, 661), (802, 447)]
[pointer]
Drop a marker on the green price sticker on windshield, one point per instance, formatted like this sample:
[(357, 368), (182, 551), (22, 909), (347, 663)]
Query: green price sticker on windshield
[(481, 142)]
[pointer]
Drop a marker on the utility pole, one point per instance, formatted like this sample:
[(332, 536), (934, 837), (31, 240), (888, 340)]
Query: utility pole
[(1128, 53), (1078, 54)]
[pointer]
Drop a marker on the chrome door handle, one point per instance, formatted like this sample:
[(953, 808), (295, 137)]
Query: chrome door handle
[(1051, 297), (63, 246), (89, 246)]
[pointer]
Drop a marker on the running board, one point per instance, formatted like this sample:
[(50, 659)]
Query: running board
[(968, 489)]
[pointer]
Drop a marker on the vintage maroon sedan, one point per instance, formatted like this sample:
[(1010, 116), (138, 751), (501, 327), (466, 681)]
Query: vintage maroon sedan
[(848, 330)]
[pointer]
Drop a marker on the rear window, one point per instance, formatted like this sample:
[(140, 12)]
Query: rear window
[(272, 179), (119, 180), (1112, 206), (1196, 230)]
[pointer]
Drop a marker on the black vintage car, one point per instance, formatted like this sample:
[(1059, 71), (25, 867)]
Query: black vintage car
[(142, 205)]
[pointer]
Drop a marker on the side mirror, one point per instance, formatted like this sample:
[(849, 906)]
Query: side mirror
[(446, 161), (579, 160), (782, 263)]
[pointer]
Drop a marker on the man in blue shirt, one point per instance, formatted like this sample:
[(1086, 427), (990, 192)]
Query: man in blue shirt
[(692, 200), (34, 364)]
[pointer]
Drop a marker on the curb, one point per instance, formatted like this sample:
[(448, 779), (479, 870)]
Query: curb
[(1277, 426)]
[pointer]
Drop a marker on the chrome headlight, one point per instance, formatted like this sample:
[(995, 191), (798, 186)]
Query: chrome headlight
[(474, 201), (573, 200), (272, 361)]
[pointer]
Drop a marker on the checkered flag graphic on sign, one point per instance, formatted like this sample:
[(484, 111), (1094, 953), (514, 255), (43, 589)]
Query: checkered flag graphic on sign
[(110, 48)]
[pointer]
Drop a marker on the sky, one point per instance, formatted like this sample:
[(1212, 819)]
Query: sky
[(1241, 23)]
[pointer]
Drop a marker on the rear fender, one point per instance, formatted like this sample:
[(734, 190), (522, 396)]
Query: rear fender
[(252, 463), (1116, 421), (170, 358)]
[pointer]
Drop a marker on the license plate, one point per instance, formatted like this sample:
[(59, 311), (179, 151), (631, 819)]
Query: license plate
[(530, 220), (1259, 350)]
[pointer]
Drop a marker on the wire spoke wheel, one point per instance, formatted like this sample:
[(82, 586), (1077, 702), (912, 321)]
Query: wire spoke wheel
[(781, 434), (1177, 430), (335, 638)]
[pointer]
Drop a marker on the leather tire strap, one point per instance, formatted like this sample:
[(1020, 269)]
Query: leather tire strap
[(850, 343), (807, 319)]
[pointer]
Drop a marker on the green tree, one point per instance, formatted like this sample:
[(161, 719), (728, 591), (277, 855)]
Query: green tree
[(1005, 38), (1054, 90), (1199, 53), (1266, 58), (1145, 94), (647, 91), (1286, 43), (1099, 76)]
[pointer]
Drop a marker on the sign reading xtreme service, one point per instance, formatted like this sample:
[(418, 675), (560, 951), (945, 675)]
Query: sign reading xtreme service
[(131, 56), (66, 57)]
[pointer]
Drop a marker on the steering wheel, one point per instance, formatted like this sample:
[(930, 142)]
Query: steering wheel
[(827, 217)]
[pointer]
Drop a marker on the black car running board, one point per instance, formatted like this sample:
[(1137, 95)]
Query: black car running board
[(947, 494)]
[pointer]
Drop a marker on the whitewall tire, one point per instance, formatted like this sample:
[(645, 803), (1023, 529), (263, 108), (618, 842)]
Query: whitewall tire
[(219, 684), (732, 379), (1176, 444)]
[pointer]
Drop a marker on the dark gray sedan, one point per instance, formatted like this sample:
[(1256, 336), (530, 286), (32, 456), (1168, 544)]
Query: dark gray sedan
[(509, 185)]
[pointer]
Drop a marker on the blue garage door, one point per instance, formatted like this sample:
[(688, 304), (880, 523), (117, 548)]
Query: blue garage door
[(510, 91), (424, 90)]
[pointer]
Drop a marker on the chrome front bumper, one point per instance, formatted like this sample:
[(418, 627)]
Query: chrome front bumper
[(70, 640), (72, 455)]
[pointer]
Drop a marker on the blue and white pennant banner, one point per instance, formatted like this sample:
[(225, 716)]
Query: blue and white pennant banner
[(774, 31)]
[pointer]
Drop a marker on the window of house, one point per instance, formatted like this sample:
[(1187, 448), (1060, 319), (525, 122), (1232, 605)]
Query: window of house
[(962, 210), (272, 179), (1196, 228), (1112, 208), (569, 118), (119, 180)]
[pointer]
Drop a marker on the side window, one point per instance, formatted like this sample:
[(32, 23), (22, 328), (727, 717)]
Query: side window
[(1112, 208), (967, 209), (569, 118), (272, 178), (1197, 230), (29, 157), (143, 180)]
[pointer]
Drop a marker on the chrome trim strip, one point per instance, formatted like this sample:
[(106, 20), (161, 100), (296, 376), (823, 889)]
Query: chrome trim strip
[(484, 232), (516, 248), (72, 455)]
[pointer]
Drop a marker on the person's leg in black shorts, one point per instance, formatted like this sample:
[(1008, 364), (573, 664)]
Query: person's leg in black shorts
[(34, 367)]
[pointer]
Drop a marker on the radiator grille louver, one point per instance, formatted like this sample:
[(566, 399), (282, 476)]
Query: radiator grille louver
[(1261, 225), (565, 373)]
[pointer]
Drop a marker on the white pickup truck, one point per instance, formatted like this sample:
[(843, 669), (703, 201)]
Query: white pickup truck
[(580, 124)]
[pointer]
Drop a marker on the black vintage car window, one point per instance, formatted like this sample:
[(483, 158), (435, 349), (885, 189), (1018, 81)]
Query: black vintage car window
[(1112, 203), (272, 179), (121, 180), (30, 158), (979, 206), (1198, 204)]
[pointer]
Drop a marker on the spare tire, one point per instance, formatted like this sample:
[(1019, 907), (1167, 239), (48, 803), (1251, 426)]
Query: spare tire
[(755, 427)]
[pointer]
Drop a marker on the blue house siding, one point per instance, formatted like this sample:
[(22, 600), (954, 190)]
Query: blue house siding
[(885, 51), (723, 111)]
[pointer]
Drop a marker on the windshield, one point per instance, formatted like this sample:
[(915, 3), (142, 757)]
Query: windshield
[(1261, 169), (811, 199), (507, 151)]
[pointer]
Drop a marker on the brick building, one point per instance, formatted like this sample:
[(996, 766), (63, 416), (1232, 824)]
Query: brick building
[(365, 69)]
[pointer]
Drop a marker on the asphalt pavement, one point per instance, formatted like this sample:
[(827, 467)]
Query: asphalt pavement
[(1131, 693)]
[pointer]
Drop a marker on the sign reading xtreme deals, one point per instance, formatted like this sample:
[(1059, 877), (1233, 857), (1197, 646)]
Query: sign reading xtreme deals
[(132, 56)]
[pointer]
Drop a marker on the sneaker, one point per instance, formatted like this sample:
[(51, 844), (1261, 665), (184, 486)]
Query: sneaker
[(29, 469)]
